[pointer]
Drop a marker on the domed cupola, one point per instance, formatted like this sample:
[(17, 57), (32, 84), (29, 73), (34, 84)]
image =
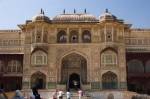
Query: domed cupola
[(41, 17), (75, 17), (107, 16)]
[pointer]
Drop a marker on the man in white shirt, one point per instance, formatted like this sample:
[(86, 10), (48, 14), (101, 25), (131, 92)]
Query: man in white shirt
[(60, 94), (68, 95)]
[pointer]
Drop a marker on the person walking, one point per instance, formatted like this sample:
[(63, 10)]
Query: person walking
[(60, 94), (80, 93), (2, 94), (18, 95), (68, 94), (35, 94), (55, 94)]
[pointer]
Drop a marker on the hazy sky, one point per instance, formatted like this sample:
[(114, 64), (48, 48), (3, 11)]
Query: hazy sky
[(13, 12)]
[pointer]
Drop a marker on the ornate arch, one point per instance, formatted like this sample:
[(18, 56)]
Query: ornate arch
[(71, 54), (38, 80), (62, 36), (109, 80), (109, 48), (108, 57), (86, 36), (39, 57), (110, 96), (74, 36), (74, 51)]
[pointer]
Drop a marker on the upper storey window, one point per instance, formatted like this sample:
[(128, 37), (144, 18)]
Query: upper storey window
[(108, 35), (39, 58), (61, 37), (86, 36), (109, 57), (74, 36), (14, 66), (38, 37)]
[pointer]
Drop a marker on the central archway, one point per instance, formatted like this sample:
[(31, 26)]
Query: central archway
[(38, 80), (74, 81), (73, 66)]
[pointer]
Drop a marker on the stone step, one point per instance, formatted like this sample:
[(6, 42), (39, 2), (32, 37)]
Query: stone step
[(76, 96)]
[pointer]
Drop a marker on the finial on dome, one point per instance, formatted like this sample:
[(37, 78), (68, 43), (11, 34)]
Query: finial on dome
[(106, 10), (64, 11), (74, 10), (85, 11), (42, 11)]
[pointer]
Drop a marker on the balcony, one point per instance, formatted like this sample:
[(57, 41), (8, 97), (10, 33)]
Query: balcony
[(11, 46)]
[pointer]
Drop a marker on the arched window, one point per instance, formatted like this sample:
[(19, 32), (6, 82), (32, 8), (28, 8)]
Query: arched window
[(73, 37), (147, 67), (135, 66), (110, 96), (86, 36), (39, 58), (108, 36), (38, 80), (14, 66), (62, 37), (109, 80), (109, 57), (1, 66)]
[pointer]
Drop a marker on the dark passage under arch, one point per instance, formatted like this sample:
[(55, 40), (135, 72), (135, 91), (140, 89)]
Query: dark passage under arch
[(74, 81)]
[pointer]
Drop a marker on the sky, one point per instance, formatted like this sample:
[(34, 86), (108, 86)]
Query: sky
[(14, 12)]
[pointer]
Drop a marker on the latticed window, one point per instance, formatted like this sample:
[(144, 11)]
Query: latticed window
[(14, 66), (109, 58), (86, 36), (1, 65), (73, 36), (61, 37), (109, 37), (39, 58)]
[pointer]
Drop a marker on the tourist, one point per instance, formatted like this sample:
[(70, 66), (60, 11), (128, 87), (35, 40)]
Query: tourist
[(2, 94), (35, 94), (60, 94), (68, 94), (80, 93), (55, 94), (18, 95)]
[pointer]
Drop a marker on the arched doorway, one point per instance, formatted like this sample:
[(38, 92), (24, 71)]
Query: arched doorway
[(74, 81), (110, 96), (73, 67), (109, 80), (38, 80)]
